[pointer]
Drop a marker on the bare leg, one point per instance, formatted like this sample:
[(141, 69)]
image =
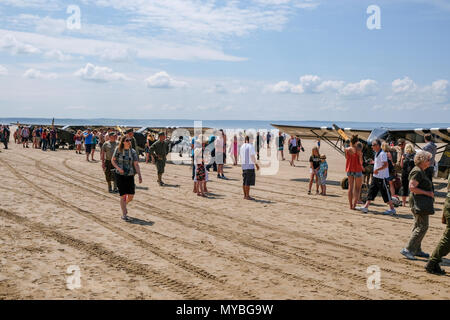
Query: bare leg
[(351, 182), (357, 192), (123, 205)]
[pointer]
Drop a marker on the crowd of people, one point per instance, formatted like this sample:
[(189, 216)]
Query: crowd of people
[(392, 167)]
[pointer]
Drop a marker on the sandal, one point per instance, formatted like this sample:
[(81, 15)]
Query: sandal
[(126, 218), (309, 192)]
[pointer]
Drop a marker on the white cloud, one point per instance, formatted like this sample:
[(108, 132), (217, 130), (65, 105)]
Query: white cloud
[(36, 74), (162, 80), (240, 90), (200, 19), (330, 85), (3, 71), (148, 48), (119, 54), (439, 87), (99, 74), (58, 55), (363, 88), (9, 43), (307, 84), (403, 86), (284, 87)]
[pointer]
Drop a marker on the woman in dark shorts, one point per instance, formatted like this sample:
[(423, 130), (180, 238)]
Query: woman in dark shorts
[(126, 162), (293, 149), (314, 163)]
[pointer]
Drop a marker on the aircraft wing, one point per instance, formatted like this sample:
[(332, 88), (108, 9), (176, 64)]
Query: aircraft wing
[(330, 133), (441, 135)]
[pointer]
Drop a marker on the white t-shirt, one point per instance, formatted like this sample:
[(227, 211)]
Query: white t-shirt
[(246, 153), (218, 144), (380, 159)]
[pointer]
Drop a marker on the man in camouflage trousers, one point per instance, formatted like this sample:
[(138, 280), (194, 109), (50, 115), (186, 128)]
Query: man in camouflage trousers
[(443, 248)]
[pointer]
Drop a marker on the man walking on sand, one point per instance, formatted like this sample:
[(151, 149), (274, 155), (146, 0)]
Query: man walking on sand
[(248, 158), (379, 180), (106, 154)]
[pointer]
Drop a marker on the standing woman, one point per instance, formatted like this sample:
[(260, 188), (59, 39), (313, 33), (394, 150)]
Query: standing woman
[(354, 169), (421, 201), (234, 150), (299, 147), (45, 137), (78, 141), (125, 160), (407, 164), (95, 141), (314, 165), (293, 149)]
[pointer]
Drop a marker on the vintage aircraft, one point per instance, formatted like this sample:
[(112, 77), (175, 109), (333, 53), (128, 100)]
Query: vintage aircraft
[(338, 139)]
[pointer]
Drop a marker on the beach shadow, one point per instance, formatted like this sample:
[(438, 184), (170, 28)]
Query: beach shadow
[(141, 188), (398, 215), (262, 201), (332, 196), (141, 222), (229, 179), (167, 185), (329, 182)]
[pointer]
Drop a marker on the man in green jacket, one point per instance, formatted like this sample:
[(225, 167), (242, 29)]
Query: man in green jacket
[(159, 150)]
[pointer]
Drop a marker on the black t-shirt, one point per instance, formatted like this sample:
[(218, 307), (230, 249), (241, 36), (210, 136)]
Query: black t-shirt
[(315, 160)]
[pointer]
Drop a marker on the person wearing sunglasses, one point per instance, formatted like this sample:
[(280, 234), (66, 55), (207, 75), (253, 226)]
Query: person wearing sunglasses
[(125, 161)]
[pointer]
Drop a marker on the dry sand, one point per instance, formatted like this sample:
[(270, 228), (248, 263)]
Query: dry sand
[(55, 212)]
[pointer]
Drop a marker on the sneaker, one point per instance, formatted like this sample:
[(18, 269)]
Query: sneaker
[(362, 209), (390, 212), (434, 268), (422, 254), (407, 254)]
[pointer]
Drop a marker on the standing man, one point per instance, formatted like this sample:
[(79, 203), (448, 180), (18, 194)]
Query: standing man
[(88, 141), (281, 144), (248, 161), (159, 150), (443, 248), (258, 143), (25, 136), (431, 148), (5, 135), (379, 180), (53, 137), (107, 151)]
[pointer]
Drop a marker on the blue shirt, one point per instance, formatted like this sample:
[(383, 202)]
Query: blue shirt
[(88, 138), (322, 168)]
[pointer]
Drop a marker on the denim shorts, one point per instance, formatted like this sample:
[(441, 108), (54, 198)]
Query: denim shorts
[(354, 174)]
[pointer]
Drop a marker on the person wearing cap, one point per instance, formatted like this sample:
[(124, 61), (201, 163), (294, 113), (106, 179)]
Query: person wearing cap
[(323, 173), (106, 154)]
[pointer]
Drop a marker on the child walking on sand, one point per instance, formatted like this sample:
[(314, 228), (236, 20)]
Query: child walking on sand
[(322, 173)]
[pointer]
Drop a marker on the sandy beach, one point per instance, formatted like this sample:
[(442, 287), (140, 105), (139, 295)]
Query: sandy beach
[(56, 212)]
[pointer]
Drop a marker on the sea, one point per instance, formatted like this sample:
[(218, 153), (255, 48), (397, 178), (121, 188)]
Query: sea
[(219, 124)]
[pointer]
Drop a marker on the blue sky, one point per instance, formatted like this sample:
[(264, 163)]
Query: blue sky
[(255, 59)]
